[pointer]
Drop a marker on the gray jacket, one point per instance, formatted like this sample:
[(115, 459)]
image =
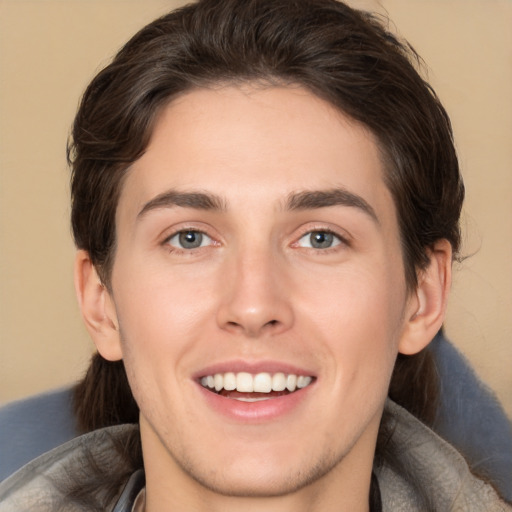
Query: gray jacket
[(418, 472)]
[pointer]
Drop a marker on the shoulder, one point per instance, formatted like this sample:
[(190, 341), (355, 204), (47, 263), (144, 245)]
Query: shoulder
[(420, 471), (57, 479), (471, 418), (33, 426)]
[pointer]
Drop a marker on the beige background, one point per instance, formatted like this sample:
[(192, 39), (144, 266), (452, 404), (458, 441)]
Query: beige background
[(50, 49)]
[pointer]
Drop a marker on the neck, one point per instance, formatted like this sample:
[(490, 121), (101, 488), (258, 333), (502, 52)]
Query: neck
[(346, 486), (315, 498)]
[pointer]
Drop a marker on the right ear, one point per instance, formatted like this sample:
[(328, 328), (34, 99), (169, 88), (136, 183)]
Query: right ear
[(97, 307)]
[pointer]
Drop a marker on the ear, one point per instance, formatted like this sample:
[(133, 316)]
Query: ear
[(97, 307), (426, 308)]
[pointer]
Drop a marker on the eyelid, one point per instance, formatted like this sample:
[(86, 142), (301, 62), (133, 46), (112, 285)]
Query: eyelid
[(204, 235), (175, 231), (344, 239)]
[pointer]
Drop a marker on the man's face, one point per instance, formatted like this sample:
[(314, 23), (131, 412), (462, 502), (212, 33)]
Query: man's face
[(258, 246)]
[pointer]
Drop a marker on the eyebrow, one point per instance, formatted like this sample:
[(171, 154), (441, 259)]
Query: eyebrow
[(304, 200), (195, 200), (309, 200)]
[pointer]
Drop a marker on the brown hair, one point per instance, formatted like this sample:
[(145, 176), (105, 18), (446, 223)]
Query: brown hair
[(340, 54)]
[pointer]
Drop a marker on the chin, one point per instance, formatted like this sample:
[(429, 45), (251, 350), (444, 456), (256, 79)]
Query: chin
[(261, 479)]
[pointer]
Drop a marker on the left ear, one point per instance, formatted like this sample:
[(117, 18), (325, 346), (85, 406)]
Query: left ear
[(97, 307), (427, 304)]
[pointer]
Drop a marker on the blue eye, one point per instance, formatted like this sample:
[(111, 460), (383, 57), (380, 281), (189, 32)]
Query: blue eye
[(319, 240), (189, 239)]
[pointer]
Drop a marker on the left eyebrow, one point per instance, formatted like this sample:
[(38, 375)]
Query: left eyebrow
[(195, 200), (309, 200)]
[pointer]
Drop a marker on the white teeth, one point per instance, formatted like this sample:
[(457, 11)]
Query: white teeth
[(263, 383), (245, 399), (291, 382), (219, 381), (303, 381), (279, 382), (229, 381), (244, 382)]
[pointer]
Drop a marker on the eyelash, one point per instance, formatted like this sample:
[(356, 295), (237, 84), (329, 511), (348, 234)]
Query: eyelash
[(171, 248), (341, 240)]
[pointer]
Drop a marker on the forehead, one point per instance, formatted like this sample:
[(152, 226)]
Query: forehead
[(262, 143)]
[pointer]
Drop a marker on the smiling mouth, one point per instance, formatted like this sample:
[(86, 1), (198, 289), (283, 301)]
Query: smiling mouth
[(247, 387)]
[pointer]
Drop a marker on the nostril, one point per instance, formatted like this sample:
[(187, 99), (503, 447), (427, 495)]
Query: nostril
[(271, 325)]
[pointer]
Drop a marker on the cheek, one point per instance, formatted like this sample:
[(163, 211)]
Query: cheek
[(155, 336), (357, 298), (159, 304), (162, 317), (359, 316)]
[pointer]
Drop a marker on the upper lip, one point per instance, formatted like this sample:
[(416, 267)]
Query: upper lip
[(253, 367)]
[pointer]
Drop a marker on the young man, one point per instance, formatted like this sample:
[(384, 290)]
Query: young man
[(265, 202)]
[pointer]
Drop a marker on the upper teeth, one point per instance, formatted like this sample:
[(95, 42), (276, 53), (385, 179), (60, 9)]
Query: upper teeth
[(260, 383)]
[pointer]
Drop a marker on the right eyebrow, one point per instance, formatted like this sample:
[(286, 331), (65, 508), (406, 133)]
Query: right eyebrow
[(314, 199), (195, 200)]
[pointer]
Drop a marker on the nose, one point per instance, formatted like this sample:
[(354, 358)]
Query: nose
[(255, 300)]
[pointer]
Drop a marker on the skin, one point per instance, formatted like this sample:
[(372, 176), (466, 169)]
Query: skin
[(257, 291)]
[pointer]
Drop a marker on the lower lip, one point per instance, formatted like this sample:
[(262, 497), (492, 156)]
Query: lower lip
[(255, 412)]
